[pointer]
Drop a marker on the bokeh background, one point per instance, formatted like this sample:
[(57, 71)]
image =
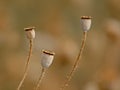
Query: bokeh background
[(58, 28)]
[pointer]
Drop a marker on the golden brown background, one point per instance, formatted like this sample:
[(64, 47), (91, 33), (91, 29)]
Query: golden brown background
[(58, 28)]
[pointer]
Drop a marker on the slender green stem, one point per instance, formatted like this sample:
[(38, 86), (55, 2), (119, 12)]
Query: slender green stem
[(76, 62), (40, 79), (26, 66)]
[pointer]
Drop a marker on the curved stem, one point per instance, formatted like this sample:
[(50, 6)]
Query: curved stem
[(40, 78), (76, 62), (26, 66)]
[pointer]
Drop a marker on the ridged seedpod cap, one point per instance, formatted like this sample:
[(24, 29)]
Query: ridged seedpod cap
[(30, 32), (86, 22), (47, 58)]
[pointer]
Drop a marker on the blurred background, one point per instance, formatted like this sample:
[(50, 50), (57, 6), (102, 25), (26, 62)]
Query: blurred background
[(58, 28)]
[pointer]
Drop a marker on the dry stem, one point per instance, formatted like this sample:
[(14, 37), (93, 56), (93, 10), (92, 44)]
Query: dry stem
[(76, 62), (40, 78), (26, 66)]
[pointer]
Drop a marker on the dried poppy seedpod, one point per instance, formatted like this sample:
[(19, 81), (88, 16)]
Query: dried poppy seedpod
[(85, 22), (30, 32), (47, 58)]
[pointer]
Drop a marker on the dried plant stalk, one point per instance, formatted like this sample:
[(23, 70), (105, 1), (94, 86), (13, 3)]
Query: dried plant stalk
[(26, 66), (76, 62), (40, 79), (46, 61)]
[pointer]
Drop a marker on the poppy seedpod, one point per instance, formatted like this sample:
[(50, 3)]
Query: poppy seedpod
[(47, 58), (85, 23), (30, 32)]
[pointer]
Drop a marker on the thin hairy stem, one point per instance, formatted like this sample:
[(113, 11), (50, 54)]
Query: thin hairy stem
[(26, 66), (40, 79), (76, 62)]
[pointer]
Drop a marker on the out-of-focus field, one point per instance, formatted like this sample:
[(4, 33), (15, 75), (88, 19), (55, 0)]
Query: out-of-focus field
[(58, 28)]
